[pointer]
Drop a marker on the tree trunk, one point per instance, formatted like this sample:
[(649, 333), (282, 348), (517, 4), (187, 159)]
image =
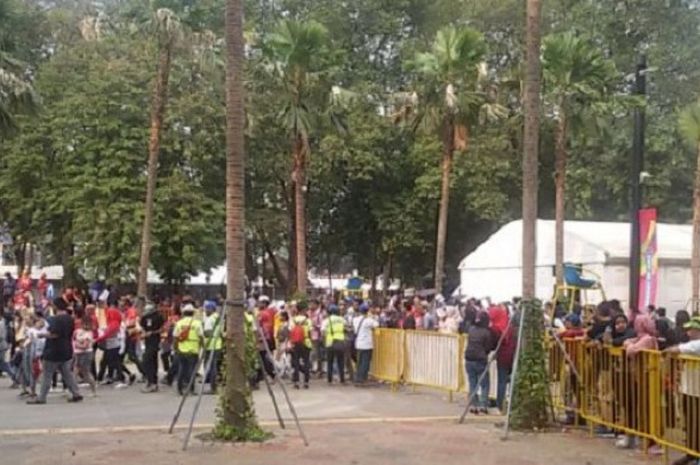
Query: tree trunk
[(299, 176), (560, 196), (292, 262), (531, 134), (279, 275), (447, 156), (695, 257), (237, 406), (160, 97)]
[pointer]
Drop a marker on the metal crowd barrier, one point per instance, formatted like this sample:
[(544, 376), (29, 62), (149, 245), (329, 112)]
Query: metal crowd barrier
[(650, 395)]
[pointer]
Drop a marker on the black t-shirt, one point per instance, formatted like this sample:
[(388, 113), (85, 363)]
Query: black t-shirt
[(152, 322), (59, 348)]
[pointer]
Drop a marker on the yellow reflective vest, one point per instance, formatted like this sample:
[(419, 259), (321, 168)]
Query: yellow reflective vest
[(335, 329), (191, 345), (215, 341)]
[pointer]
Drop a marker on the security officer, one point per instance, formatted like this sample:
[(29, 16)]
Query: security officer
[(189, 338), (213, 343), (334, 329)]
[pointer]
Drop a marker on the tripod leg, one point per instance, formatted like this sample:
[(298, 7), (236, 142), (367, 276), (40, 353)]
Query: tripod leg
[(207, 369), (272, 394), (184, 396), (281, 385)]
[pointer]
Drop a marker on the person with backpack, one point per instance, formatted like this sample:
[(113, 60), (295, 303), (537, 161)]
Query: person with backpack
[(189, 338), (300, 342), (334, 330)]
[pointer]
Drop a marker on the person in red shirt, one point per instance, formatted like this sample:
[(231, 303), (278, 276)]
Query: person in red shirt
[(109, 341), (25, 282), (266, 320), (42, 285)]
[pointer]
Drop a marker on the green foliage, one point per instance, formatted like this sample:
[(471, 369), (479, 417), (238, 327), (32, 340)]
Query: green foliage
[(689, 124), (531, 384)]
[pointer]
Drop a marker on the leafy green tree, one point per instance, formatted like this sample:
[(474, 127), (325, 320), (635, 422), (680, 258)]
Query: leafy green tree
[(576, 76)]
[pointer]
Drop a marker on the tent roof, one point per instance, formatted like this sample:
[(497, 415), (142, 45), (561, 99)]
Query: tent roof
[(585, 242)]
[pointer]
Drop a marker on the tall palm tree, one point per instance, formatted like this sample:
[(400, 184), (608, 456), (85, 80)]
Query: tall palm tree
[(298, 52), (237, 407), (576, 75), (531, 137), (689, 124), (167, 30), (449, 99)]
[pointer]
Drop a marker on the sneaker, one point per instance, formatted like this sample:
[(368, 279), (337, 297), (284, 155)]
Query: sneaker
[(35, 402), (132, 378), (623, 442), (473, 410), (77, 398), (106, 382), (655, 450), (306, 385), (603, 432), (84, 385), (296, 385), (121, 386), (484, 411), (149, 389)]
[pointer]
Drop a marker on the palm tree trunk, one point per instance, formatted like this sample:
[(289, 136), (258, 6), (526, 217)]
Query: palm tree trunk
[(236, 407), (447, 156), (531, 134), (160, 96), (695, 257), (300, 212), (560, 196)]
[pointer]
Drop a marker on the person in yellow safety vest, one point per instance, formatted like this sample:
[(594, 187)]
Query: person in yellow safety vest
[(333, 328), (300, 341), (213, 343), (189, 338)]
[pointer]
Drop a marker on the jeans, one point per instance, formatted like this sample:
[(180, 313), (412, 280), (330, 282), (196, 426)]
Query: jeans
[(213, 372), (364, 358), (474, 371), (503, 380), (339, 356), (113, 363), (4, 364), (132, 355), (66, 374), (150, 365), (188, 364), (83, 365), (301, 362)]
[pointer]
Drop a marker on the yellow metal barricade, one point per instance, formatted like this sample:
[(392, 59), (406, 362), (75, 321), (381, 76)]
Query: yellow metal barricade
[(680, 404), (434, 360), (388, 355)]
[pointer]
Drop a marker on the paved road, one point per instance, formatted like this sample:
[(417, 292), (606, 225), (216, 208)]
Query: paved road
[(129, 408)]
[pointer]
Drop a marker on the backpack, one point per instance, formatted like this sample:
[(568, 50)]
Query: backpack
[(297, 336)]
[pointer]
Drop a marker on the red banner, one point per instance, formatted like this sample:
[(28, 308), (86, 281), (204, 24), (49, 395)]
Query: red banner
[(649, 266)]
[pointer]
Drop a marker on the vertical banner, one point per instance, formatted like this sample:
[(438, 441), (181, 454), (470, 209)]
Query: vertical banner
[(648, 269)]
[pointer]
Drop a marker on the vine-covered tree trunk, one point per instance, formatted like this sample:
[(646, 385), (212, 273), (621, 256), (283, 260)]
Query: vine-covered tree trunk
[(531, 137), (560, 195), (531, 388), (236, 415), (160, 96)]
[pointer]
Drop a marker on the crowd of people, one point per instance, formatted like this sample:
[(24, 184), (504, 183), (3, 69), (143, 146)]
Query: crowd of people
[(82, 340)]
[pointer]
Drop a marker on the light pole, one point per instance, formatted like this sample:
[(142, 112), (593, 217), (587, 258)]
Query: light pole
[(635, 181)]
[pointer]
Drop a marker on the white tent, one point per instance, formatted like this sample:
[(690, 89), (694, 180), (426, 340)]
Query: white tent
[(494, 269)]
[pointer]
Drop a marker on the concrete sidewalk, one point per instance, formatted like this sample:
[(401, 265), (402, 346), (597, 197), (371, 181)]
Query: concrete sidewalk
[(123, 409)]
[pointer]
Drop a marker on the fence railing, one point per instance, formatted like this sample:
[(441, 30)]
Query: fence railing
[(650, 395)]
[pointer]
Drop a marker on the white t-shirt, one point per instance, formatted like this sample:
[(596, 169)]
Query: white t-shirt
[(690, 348), (363, 326)]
